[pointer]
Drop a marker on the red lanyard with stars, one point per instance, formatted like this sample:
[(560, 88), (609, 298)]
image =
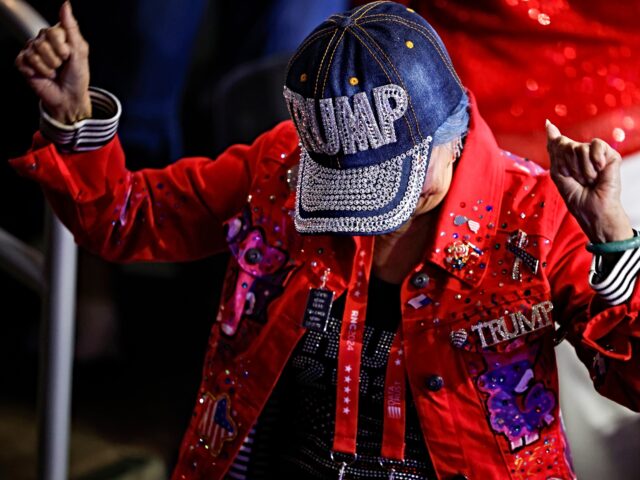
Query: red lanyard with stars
[(348, 377), (395, 411)]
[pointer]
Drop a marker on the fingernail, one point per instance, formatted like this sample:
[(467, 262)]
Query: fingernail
[(547, 122)]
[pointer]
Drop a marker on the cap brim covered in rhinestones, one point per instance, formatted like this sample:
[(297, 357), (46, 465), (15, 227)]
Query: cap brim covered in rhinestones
[(369, 200)]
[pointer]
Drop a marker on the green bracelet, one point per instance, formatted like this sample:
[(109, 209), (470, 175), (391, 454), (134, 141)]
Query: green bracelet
[(615, 247)]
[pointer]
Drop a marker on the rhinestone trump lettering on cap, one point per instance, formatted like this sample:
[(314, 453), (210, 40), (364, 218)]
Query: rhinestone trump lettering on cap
[(351, 129), (497, 330), (358, 128)]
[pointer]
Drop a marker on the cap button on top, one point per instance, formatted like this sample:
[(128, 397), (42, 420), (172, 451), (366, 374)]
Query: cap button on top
[(420, 280), (434, 383), (343, 22)]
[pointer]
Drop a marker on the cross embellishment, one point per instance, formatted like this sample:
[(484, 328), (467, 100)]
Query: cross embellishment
[(516, 244)]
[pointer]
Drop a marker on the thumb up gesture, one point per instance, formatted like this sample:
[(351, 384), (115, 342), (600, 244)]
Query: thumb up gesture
[(56, 66), (587, 176)]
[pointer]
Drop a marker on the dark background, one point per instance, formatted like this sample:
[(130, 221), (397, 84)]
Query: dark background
[(141, 329)]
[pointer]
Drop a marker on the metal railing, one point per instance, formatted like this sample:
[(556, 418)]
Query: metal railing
[(53, 276)]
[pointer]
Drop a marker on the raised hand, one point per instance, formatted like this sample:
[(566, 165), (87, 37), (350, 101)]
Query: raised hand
[(588, 178), (56, 66)]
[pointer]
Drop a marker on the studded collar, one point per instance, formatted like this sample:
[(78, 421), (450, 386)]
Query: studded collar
[(470, 211), (468, 217)]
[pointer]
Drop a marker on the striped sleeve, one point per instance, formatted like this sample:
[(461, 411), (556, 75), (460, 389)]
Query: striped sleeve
[(90, 133), (617, 286)]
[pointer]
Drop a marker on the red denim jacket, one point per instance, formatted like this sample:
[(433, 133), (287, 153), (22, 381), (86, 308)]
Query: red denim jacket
[(478, 340)]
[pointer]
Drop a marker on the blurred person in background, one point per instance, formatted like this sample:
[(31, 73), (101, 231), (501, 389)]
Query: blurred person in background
[(449, 261)]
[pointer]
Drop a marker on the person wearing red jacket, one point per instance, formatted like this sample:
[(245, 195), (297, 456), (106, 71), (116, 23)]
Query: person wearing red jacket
[(396, 279)]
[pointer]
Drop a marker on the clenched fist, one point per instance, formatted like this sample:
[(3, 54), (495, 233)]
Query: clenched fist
[(56, 66), (588, 178)]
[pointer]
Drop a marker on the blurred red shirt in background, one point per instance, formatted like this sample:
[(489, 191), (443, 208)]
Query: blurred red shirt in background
[(573, 62)]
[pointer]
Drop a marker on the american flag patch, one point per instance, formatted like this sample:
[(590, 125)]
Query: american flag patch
[(216, 425), (420, 301), (394, 412)]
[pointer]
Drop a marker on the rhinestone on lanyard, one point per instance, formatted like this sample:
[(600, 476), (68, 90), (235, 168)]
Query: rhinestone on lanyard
[(343, 463), (390, 466)]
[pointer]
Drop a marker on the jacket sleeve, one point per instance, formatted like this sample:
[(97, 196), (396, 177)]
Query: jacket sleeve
[(168, 214), (606, 336)]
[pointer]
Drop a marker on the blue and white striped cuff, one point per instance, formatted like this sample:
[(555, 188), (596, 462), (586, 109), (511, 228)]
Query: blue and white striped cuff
[(617, 286), (90, 133)]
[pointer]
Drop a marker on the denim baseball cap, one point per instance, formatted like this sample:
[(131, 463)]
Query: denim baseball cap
[(367, 90)]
